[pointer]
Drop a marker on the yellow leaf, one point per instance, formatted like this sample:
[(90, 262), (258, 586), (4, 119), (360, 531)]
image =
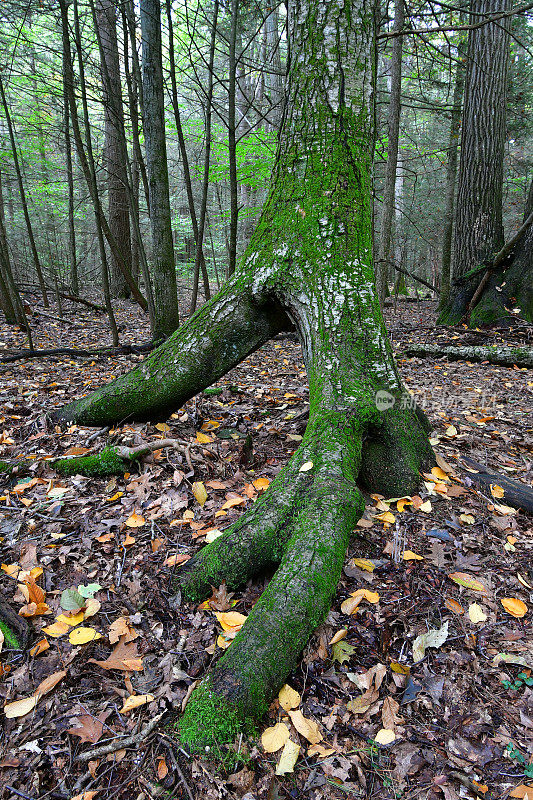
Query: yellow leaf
[(306, 466), (426, 507), (350, 605), (451, 431), (306, 727), (410, 556), (203, 438), (135, 521), (116, 496), (514, 607), (92, 607), (439, 473), (366, 594), (129, 540), (288, 697), (274, 738), (400, 669), (320, 751), (261, 484), (20, 707), (385, 736), (339, 636), (198, 490), (364, 563), (56, 630), (402, 502), (288, 758), (163, 427), (71, 621), (40, 647), (497, 491), (468, 519), (134, 701), (476, 613), (230, 620), (83, 636), (466, 580), (233, 501), (386, 516)]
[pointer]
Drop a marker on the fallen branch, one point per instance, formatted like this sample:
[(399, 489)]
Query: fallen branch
[(125, 349), (122, 742), (501, 356), (516, 495)]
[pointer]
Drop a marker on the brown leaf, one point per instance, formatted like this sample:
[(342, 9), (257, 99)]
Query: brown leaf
[(88, 728), (124, 657)]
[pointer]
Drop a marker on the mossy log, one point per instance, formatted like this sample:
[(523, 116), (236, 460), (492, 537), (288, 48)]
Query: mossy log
[(500, 356), (13, 627), (308, 269)]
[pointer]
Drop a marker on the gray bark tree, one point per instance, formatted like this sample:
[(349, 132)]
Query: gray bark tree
[(115, 149), (166, 316), (308, 267)]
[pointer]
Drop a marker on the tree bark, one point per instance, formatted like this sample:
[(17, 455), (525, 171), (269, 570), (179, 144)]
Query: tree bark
[(508, 292), (385, 236), (115, 147), (502, 356), (164, 273), (478, 233), (308, 267)]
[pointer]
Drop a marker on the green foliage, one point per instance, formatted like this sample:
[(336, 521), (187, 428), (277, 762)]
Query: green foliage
[(521, 680), (9, 637)]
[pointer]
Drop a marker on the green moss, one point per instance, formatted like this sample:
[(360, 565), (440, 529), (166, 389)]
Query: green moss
[(210, 723), (9, 636), (5, 467), (108, 462)]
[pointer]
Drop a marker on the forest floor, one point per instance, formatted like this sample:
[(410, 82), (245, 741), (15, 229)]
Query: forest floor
[(450, 713)]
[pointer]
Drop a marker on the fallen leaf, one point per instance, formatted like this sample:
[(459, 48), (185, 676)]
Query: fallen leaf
[(48, 683), (306, 466), (364, 563), (135, 521), (385, 736), (19, 708), (71, 621), (121, 627), (231, 621), (497, 491), (288, 697), (56, 629), (199, 491), (454, 606), (522, 791), (341, 652), (124, 657), (341, 634), (387, 517), (134, 701), (288, 758), (433, 638), (306, 727), (261, 484), (162, 426), (274, 738), (174, 561), (425, 507), (203, 438), (39, 647), (83, 636), (514, 607), (409, 555), (89, 728), (476, 613), (466, 580), (320, 751)]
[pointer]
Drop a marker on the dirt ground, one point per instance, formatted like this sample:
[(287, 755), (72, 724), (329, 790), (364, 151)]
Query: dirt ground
[(427, 688)]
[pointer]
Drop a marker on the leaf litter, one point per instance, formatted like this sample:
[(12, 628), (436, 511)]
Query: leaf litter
[(90, 563)]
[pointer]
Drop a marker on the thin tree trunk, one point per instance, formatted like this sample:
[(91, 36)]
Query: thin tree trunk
[(451, 179), (73, 260), (232, 138), (29, 228), (385, 237), (115, 147), (164, 272), (87, 160), (199, 261)]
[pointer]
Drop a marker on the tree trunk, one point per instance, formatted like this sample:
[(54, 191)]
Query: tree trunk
[(164, 272), (478, 233), (451, 178), (501, 356), (385, 234), (509, 293), (308, 267), (115, 148)]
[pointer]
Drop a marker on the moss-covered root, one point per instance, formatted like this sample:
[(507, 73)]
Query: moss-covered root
[(396, 452), (107, 462), (255, 543), (14, 628), (295, 602)]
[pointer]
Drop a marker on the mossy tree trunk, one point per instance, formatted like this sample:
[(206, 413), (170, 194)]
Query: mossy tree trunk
[(509, 292), (308, 267)]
